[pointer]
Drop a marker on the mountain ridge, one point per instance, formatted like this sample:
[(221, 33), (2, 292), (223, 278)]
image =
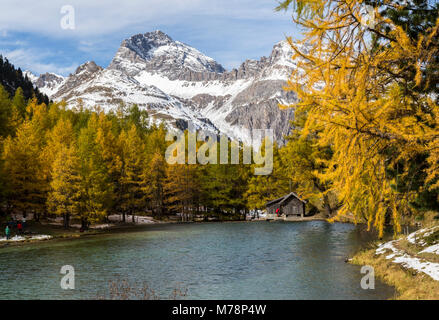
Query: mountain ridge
[(178, 83)]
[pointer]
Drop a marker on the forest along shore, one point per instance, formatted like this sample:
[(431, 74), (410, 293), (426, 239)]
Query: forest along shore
[(52, 228)]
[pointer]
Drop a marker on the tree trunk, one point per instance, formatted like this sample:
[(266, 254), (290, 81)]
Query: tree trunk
[(66, 221), (327, 206), (84, 224)]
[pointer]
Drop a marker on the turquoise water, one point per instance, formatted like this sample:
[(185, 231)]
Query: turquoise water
[(259, 260)]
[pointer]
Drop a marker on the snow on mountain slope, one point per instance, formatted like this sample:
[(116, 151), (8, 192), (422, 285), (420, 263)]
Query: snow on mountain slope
[(157, 52), (33, 78), (240, 100), (47, 83), (91, 85), (176, 83)]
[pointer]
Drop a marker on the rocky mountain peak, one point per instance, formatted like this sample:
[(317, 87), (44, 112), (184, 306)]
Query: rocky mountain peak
[(48, 78), (178, 84), (88, 67), (48, 83), (144, 44), (83, 73), (156, 52)]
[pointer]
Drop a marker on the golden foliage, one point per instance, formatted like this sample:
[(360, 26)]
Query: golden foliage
[(353, 84)]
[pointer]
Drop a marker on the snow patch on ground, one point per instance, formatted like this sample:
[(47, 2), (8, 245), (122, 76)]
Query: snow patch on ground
[(431, 249), (24, 238), (417, 236), (102, 226), (129, 218), (408, 261)]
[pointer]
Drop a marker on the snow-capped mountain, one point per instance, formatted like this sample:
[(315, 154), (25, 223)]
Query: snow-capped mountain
[(47, 83), (157, 52), (176, 84)]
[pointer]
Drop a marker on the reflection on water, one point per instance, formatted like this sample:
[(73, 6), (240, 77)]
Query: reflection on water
[(258, 260)]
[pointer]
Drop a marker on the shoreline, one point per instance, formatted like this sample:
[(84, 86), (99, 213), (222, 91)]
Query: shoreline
[(365, 256), (175, 246), (73, 233), (409, 280), (408, 263), (409, 285), (55, 232)]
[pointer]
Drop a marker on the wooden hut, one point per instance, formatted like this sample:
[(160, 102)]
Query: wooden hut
[(288, 205)]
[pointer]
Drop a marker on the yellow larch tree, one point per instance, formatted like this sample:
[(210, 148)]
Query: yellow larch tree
[(65, 195), (180, 189), (23, 167), (153, 178), (132, 198), (363, 84), (263, 188)]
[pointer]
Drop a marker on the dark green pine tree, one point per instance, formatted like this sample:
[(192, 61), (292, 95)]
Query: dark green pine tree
[(12, 79), (5, 111)]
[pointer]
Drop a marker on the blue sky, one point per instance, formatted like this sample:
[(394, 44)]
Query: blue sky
[(229, 31)]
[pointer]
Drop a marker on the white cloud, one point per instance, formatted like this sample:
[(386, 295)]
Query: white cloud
[(228, 30), (29, 59), (92, 17), (98, 17)]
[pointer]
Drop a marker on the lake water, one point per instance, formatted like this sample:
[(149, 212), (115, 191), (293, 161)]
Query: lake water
[(237, 260)]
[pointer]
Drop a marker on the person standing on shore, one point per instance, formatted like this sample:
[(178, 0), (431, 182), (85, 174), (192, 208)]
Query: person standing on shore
[(19, 227), (8, 233)]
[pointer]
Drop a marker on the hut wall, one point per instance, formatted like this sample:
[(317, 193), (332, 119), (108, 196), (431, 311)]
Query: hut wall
[(272, 208), (293, 207)]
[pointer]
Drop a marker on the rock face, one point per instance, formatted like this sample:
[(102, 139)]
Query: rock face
[(178, 84), (47, 83), (156, 52)]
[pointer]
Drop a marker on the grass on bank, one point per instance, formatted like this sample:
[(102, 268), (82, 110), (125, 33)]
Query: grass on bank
[(410, 285)]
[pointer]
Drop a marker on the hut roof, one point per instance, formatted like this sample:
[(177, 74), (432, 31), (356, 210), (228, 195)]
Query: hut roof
[(284, 199)]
